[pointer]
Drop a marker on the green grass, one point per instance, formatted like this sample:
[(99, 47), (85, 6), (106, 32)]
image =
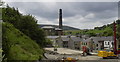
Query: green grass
[(103, 32), (18, 45)]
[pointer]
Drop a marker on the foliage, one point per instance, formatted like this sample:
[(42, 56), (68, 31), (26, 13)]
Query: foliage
[(105, 30), (48, 43), (25, 23), (17, 46)]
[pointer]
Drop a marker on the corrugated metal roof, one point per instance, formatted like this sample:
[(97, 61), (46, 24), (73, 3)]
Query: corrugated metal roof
[(58, 29), (52, 37), (65, 38), (50, 27), (96, 39), (76, 38)]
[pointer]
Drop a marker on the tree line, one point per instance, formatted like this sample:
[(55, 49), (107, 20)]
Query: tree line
[(25, 23)]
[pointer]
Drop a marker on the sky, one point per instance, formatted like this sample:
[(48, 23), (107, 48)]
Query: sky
[(83, 15), (60, 0)]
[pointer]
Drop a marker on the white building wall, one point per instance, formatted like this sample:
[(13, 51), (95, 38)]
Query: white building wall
[(108, 44)]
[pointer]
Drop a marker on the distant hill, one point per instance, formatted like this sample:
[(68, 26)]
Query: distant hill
[(105, 30), (56, 26)]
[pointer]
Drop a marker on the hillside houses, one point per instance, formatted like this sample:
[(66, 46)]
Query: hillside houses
[(77, 42)]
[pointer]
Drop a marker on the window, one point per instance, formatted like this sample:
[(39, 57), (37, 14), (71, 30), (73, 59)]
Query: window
[(65, 42), (65, 46), (112, 43), (84, 43), (75, 44), (105, 43), (97, 45), (77, 48), (108, 43)]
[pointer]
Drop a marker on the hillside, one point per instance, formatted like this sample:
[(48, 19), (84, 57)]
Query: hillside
[(27, 24), (92, 32), (56, 26), (17, 46), (105, 30)]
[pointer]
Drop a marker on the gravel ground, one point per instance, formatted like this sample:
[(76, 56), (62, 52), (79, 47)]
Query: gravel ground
[(59, 57), (64, 52)]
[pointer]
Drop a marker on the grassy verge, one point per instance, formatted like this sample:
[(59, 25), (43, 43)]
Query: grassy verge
[(17, 46)]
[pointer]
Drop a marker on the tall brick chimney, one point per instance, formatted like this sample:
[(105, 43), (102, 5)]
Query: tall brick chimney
[(60, 18)]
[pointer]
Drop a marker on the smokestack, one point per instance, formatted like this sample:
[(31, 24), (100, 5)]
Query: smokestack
[(60, 18)]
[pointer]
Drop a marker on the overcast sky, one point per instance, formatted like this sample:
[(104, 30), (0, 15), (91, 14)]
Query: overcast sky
[(82, 15), (61, 0)]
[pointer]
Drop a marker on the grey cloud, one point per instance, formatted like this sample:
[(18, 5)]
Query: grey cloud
[(102, 11), (69, 9), (61, 0)]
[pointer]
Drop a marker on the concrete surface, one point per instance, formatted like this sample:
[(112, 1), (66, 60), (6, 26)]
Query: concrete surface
[(64, 51)]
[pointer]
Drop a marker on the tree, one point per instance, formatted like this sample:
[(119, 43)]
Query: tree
[(25, 23)]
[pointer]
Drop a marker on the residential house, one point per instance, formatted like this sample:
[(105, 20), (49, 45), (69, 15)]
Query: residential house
[(63, 41), (102, 43), (75, 43), (97, 43), (85, 42)]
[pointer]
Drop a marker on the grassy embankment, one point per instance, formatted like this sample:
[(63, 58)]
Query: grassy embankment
[(18, 46)]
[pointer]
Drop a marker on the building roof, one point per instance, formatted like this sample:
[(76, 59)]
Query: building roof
[(47, 27), (86, 40), (52, 37), (96, 39), (76, 38), (58, 29), (103, 38), (65, 38)]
